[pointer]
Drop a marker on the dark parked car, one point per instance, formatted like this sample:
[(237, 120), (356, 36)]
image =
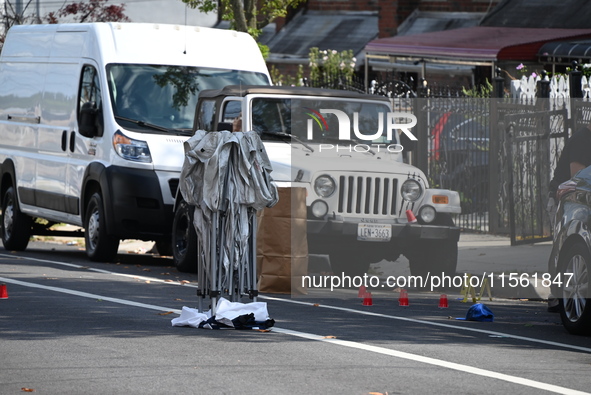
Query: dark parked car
[(570, 261), (459, 157)]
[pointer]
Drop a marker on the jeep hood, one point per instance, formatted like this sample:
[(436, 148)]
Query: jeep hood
[(295, 160)]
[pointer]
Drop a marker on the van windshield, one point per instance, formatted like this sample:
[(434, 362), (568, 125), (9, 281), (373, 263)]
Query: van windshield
[(153, 98)]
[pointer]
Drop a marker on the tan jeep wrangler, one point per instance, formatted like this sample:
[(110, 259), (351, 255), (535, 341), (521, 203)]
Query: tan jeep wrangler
[(358, 187)]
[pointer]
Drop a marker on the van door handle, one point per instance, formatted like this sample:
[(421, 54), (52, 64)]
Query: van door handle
[(72, 141), (64, 140)]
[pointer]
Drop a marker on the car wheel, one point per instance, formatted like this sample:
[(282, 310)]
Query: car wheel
[(184, 239), (574, 293), (16, 226), (100, 246)]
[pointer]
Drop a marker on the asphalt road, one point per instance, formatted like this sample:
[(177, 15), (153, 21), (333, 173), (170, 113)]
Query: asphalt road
[(70, 326)]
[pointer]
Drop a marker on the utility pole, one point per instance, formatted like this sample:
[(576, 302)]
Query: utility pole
[(18, 8), (5, 19)]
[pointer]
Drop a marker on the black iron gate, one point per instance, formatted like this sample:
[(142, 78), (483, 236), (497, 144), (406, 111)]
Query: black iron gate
[(533, 142)]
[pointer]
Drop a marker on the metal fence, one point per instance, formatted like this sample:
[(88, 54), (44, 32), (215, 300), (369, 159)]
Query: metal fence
[(530, 146), (453, 150), (499, 154)]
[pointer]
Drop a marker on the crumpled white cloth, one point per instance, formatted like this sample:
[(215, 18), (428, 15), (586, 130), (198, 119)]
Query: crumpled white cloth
[(191, 317), (226, 311), (231, 310)]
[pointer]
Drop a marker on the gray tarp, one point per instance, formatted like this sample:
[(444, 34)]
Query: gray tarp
[(226, 173)]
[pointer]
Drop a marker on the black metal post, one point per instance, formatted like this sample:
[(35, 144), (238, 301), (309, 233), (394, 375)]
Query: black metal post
[(422, 145), (423, 89), (544, 86), (576, 91), (498, 85)]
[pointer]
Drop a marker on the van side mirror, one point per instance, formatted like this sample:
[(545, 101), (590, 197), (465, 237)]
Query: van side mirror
[(87, 125)]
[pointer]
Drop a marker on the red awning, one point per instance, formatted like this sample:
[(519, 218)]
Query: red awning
[(479, 43)]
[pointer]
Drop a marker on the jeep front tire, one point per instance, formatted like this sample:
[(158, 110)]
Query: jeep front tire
[(184, 239)]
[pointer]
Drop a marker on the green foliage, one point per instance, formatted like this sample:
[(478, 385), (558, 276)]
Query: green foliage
[(326, 66), (264, 50), (287, 80), (247, 16), (329, 64), (485, 90)]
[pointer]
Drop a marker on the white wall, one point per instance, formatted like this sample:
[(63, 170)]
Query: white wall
[(152, 11), (165, 11)]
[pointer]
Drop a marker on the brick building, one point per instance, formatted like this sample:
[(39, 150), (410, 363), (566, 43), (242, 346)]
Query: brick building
[(349, 25)]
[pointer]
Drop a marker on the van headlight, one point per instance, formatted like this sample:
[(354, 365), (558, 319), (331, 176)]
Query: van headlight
[(324, 186), (130, 149), (411, 190)]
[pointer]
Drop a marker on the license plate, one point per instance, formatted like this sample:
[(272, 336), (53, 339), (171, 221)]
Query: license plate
[(374, 232)]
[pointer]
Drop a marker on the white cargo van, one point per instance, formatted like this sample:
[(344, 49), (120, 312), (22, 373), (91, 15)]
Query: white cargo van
[(92, 123)]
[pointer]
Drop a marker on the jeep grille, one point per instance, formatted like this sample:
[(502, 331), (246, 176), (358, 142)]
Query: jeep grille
[(367, 195)]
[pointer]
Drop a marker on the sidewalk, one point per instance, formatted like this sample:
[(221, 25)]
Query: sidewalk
[(125, 246), (483, 254)]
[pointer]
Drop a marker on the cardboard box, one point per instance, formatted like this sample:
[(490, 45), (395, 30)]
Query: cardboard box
[(282, 244)]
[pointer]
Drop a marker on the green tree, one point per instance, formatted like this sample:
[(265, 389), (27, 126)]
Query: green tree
[(249, 16), (330, 64)]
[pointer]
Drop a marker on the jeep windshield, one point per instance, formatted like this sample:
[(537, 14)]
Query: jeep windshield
[(316, 120), (157, 99)]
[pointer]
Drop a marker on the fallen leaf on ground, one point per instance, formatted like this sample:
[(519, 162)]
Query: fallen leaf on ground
[(329, 337), (166, 313), (25, 389)]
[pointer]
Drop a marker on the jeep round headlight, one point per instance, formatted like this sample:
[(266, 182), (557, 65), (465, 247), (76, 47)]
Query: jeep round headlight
[(427, 214), (319, 208), (324, 186), (411, 190)]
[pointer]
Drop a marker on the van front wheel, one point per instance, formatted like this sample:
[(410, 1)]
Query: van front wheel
[(100, 247), (16, 226)]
